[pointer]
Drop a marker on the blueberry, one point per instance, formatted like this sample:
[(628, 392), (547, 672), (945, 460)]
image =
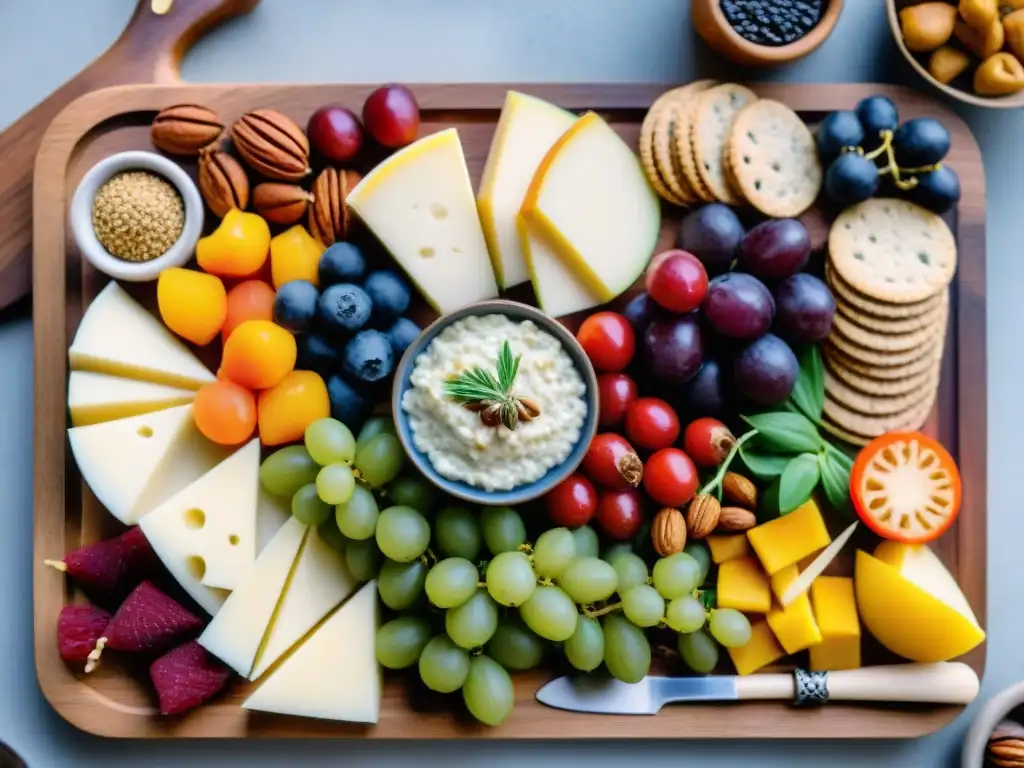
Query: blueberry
[(344, 308), (876, 114), (937, 190), (850, 179), (318, 353), (919, 142), (342, 263), (403, 333), (838, 130), (348, 405), (368, 357), (295, 305), (389, 293)]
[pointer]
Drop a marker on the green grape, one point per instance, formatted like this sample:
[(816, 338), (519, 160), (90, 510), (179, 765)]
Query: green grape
[(363, 559), (552, 552), (550, 613), (676, 575), (587, 543), (699, 552), (378, 425), (330, 442), (488, 691), (357, 517), (616, 549), (510, 579), (308, 507), (457, 531), (630, 569), (285, 471), (473, 623), (627, 654), (400, 641), (698, 651), (451, 582), (515, 646), (402, 533), (729, 627), (503, 529), (585, 649), (380, 460), (335, 483), (413, 492), (401, 584), (685, 614), (443, 665), (329, 532), (643, 606), (588, 580)]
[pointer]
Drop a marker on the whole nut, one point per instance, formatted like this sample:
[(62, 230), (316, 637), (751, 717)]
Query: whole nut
[(280, 203), (947, 63), (272, 144), (702, 516), (739, 490), (184, 129), (981, 42), (222, 181), (736, 519), (1006, 745), (926, 26), (329, 217), (668, 532)]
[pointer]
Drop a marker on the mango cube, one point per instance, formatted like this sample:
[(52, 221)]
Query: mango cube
[(794, 626), (724, 548), (832, 599), (788, 539), (782, 579), (744, 586), (761, 650)]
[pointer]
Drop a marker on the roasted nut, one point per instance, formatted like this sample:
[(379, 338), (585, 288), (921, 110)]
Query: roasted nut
[(981, 42), (999, 75), (927, 26), (979, 13), (280, 203), (668, 532), (1013, 28), (736, 520), (739, 490), (222, 181), (329, 217), (702, 516), (947, 63), (272, 144), (1006, 745), (184, 129)]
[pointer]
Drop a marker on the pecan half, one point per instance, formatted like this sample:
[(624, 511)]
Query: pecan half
[(280, 203), (272, 144), (184, 129), (222, 181), (329, 217)]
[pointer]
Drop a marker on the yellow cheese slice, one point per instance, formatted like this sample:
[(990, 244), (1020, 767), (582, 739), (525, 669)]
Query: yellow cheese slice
[(97, 397)]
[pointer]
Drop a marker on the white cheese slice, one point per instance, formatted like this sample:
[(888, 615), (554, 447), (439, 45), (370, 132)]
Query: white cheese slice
[(235, 634), (97, 397), (319, 582), (270, 516), (334, 674), (119, 337), (558, 290), (419, 203)]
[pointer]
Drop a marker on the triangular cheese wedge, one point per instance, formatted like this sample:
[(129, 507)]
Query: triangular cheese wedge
[(235, 634), (209, 528), (334, 674), (559, 292), (96, 397), (121, 459), (270, 516), (319, 582), (119, 337)]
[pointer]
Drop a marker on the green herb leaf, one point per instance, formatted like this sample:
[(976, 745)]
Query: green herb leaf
[(766, 466), (809, 392), (797, 482), (835, 478), (786, 432), (708, 598), (479, 385), (508, 367)]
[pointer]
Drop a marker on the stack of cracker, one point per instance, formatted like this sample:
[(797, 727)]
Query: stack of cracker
[(889, 266), (717, 142)]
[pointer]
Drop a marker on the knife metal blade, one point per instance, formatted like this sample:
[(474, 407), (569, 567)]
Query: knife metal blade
[(608, 696)]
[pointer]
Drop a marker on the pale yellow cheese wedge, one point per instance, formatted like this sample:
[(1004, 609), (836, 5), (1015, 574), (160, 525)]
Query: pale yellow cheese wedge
[(96, 397)]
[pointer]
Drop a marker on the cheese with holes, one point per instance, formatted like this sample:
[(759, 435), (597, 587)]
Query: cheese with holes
[(96, 397), (420, 205), (235, 634), (334, 673), (117, 336)]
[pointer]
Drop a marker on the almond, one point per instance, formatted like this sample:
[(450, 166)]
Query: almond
[(739, 490), (222, 181), (702, 516), (668, 532), (735, 519), (280, 203), (184, 129), (272, 145)]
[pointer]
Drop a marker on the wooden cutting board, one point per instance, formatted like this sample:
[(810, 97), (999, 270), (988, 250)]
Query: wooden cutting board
[(149, 50)]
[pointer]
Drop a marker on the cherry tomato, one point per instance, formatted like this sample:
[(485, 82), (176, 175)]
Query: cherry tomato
[(707, 441), (572, 502), (670, 477), (677, 281), (615, 393), (620, 514), (249, 300), (652, 423), (612, 462), (609, 341), (225, 412)]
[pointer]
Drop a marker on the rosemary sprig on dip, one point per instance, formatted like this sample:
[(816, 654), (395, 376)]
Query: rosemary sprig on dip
[(480, 391)]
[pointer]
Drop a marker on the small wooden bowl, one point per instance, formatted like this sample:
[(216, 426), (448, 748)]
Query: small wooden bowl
[(893, 8), (711, 24)]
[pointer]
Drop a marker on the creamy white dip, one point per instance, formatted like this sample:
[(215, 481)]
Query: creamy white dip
[(455, 441)]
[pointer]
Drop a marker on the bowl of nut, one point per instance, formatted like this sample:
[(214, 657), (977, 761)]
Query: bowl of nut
[(996, 736), (971, 50)]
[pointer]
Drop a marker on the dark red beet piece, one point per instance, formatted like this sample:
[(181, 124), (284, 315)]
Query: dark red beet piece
[(149, 620), (186, 677), (78, 629)]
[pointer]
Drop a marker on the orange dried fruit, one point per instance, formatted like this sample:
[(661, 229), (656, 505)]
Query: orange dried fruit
[(225, 412), (258, 354), (286, 410), (249, 300), (192, 304)]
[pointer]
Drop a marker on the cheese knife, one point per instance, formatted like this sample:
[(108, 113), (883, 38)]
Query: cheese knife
[(942, 683)]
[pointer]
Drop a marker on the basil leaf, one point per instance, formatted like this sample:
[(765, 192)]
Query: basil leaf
[(786, 432), (809, 392), (835, 480), (798, 480), (766, 466), (840, 457)]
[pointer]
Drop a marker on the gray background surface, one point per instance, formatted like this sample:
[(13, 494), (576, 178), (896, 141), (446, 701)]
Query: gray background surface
[(43, 42)]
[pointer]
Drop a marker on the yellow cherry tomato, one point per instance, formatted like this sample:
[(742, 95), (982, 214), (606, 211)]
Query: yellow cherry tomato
[(295, 255), (258, 354), (192, 304), (284, 412), (237, 247)]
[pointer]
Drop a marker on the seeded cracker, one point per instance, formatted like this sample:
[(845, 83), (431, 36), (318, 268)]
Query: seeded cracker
[(879, 387), (684, 117), (877, 404), (716, 110), (874, 323), (859, 429), (888, 359), (663, 142), (881, 336), (838, 360), (646, 147), (886, 311)]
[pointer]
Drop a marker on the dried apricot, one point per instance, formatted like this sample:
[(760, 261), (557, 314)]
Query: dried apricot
[(225, 412), (192, 304), (258, 354), (249, 300), (285, 411), (295, 255), (237, 247)]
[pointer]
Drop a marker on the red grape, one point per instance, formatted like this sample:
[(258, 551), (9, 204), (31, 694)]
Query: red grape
[(609, 341), (706, 391), (640, 311), (615, 393), (712, 234), (677, 281), (766, 371), (775, 249), (335, 133), (673, 348), (739, 306), (652, 423), (670, 477), (805, 308), (612, 462), (572, 502), (392, 116), (707, 441), (620, 514)]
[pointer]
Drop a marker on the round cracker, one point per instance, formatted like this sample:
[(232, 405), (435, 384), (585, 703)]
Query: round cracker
[(775, 159), (879, 387), (876, 404), (716, 110), (647, 159), (892, 250), (852, 298), (663, 139), (875, 324), (880, 358), (684, 116), (837, 418), (880, 336), (836, 358)]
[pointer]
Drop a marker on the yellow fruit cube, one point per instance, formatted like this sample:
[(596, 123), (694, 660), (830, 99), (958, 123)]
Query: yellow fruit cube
[(783, 579), (724, 548), (744, 586), (832, 599), (788, 539), (794, 626), (761, 650)]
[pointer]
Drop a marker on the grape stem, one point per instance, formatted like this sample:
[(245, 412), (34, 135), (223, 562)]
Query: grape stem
[(715, 483), (892, 168), (594, 613)]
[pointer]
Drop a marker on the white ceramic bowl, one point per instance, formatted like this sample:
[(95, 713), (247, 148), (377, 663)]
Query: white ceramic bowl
[(85, 236), (996, 709)]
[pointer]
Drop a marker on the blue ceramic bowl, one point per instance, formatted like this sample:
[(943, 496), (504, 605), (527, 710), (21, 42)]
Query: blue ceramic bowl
[(555, 475)]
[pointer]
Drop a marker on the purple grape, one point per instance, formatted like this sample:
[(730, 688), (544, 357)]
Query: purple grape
[(766, 371), (640, 311), (711, 233), (805, 308), (775, 249), (739, 306), (673, 348), (705, 394)]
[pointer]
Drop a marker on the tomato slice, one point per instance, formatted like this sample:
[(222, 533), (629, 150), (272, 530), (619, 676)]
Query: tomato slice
[(906, 487)]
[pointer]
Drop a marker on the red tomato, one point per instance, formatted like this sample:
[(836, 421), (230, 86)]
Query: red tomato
[(609, 341), (677, 281), (670, 477), (652, 423), (707, 441), (906, 487), (615, 393), (572, 502), (620, 514), (612, 462)]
